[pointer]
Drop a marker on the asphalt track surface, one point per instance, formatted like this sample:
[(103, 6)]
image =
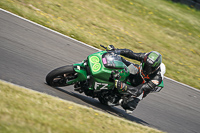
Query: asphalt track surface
[(28, 52)]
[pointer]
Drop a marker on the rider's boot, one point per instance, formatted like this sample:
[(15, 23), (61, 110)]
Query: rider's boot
[(130, 104)]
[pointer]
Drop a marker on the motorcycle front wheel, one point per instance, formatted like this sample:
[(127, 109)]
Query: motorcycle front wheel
[(58, 77)]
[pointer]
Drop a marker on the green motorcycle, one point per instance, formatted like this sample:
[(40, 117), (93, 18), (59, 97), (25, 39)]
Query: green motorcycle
[(94, 76)]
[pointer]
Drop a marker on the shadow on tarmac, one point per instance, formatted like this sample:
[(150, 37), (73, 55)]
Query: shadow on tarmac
[(111, 110)]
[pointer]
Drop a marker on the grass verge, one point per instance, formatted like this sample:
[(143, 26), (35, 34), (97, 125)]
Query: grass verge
[(141, 25), (24, 111)]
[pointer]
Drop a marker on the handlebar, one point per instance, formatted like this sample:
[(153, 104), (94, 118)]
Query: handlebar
[(103, 47)]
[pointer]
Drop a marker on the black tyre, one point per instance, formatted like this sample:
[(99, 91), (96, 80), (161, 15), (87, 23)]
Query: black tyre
[(59, 76)]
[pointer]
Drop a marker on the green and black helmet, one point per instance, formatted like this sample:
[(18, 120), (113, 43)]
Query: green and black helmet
[(151, 62)]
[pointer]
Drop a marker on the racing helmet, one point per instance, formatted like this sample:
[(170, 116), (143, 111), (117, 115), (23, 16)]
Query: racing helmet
[(151, 62)]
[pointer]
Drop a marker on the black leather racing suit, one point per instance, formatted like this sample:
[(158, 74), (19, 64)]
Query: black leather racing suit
[(140, 83)]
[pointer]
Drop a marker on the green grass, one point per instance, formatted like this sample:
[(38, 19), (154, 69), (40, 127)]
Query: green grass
[(141, 25), (26, 111)]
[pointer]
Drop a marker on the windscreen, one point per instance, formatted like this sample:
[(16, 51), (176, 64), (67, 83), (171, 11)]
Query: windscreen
[(111, 60)]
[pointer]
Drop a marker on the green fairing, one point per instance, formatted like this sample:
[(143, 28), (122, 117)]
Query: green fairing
[(101, 74)]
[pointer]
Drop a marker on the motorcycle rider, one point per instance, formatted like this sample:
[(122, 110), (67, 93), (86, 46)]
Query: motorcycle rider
[(143, 79)]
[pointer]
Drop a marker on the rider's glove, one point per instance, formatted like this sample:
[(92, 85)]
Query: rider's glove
[(121, 87), (110, 48)]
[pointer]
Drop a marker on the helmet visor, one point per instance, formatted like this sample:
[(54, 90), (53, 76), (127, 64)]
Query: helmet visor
[(148, 69)]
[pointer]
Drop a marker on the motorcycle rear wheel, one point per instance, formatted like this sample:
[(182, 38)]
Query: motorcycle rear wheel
[(58, 77)]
